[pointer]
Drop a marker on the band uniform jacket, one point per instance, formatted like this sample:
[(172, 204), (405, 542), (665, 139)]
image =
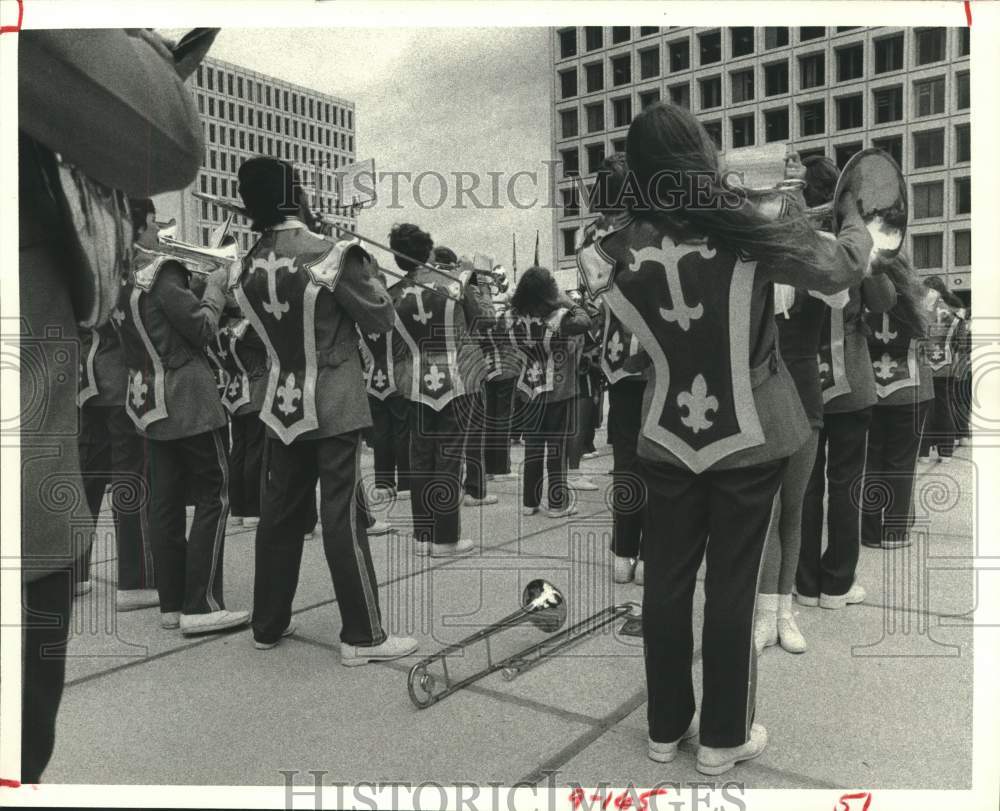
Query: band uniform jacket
[(946, 335), (165, 329), (111, 105), (551, 351), (332, 289), (719, 396), (103, 374), (898, 359)]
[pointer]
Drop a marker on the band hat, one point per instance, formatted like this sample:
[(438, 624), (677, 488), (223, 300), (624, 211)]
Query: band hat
[(268, 184)]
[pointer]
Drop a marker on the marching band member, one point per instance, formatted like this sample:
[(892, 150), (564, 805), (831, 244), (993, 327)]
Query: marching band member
[(173, 401), (505, 364), (545, 322), (946, 335), (112, 452), (905, 388), (690, 274), (432, 359), (848, 385), (306, 298), (582, 425)]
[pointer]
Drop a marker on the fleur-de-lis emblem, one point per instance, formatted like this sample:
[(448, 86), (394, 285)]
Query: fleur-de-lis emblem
[(615, 347), (421, 316), (271, 266), (379, 379), (679, 312), (287, 395), (137, 390), (118, 317), (434, 378), (884, 367), (698, 403), (234, 387), (938, 353), (534, 372)]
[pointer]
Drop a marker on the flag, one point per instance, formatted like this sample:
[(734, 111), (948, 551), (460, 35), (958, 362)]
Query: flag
[(536, 248), (583, 202), (219, 234), (514, 262)]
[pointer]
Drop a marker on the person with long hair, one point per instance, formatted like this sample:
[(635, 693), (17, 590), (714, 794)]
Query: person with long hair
[(904, 386), (691, 275), (544, 323), (945, 339)]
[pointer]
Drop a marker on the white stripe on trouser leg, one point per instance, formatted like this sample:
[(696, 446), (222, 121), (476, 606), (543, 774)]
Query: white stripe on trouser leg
[(753, 622), (220, 526), (359, 558)]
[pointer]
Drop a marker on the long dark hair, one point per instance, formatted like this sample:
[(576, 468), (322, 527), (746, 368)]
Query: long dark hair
[(937, 283), (909, 309), (536, 293), (672, 156)]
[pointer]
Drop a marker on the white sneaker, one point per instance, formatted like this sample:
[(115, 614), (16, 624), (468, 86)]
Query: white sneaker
[(945, 460), (765, 629), (134, 599), (379, 528), (623, 570), (640, 573), (250, 523), (469, 501), (581, 483), (856, 594), (712, 760), (394, 647), (213, 621), (504, 477), (81, 588), (924, 460), (447, 550), (170, 620), (590, 455), (789, 635), (268, 645), (666, 752), (563, 513), (801, 599), (529, 510)]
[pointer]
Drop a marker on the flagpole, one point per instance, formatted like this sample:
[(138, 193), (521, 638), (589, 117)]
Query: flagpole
[(536, 248), (513, 237)]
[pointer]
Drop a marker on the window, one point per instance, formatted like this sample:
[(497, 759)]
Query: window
[(810, 153), (595, 117), (267, 95), (742, 82), (200, 78), (567, 83), (211, 106), (571, 206), (568, 123), (928, 97), (595, 154), (842, 28), (811, 73), (680, 94), (229, 82), (621, 70), (843, 153), (963, 248), (618, 145), (963, 150), (775, 38), (239, 87), (811, 118), (811, 32), (963, 41), (962, 91), (209, 72), (594, 37), (622, 111), (776, 78), (742, 41), (215, 185), (201, 103), (710, 48), (889, 54), (714, 130), (570, 162), (569, 241), (649, 97), (711, 92), (743, 134), (211, 133), (242, 140), (204, 180), (649, 63), (927, 250), (776, 125), (620, 33), (963, 195), (647, 30), (680, 55), (595, 76), (850, 62), (928, 200), (928, 148), (931, 45), (849, 112), (888, 104)]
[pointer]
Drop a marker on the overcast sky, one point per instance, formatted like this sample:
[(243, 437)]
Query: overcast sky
[(431, 100)]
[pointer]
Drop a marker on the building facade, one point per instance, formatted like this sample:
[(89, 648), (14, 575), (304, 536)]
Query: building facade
[(245, 113), (828, 91)]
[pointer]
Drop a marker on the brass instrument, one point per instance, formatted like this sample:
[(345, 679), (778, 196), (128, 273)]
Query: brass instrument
[(542, 605), (197, 259)]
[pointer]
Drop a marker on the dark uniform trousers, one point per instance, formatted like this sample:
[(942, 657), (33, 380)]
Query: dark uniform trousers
[(390, 435), (839, 469), (189, 573), (628, 491), (940, 429), (893, 443), (475, 444), (246, 460), (437, 440), (729, 512), (289, 494), (113, 453), (545, 440), (499, 410)]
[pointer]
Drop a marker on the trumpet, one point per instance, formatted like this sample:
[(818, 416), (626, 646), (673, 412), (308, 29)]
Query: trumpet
[(198, 259), (543, 606)]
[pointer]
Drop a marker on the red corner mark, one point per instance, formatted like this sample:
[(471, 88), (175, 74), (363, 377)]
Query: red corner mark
[(4, 782), (844, 803), (968, 13), (13, 29)]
